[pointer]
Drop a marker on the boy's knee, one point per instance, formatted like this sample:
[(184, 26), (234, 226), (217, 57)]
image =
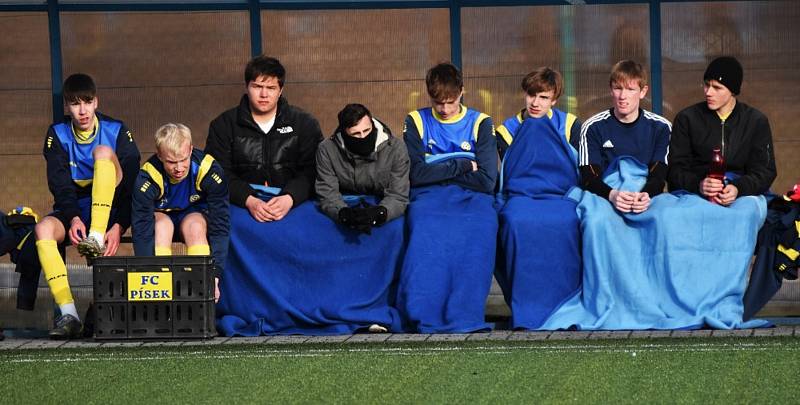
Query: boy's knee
[(46, 228), (103, 152), (194, 227), (163, 227), (162, 220), (42, 230)]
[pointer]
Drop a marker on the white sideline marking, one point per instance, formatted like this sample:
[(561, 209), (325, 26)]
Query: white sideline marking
[(255, 353)]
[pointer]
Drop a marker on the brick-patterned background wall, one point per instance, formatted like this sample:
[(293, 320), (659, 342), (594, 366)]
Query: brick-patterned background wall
[(154, 67)]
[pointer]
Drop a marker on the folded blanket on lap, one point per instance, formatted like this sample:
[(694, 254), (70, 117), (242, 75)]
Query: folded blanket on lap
[(539, 265), (306, 274), (447, 271), (682, 264)]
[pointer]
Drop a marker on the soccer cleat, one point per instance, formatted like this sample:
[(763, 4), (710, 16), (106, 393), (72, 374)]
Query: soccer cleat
[(67, 327), (90, 247), (375, 328)]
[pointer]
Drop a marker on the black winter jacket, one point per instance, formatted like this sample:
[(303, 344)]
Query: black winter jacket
[(282, 158), (748, 150)]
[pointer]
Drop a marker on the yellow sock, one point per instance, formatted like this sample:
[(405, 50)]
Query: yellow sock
[(54, 271), (163, 250), (103, 185), (198, 250)]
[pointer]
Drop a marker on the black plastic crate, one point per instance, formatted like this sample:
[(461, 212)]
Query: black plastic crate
[(151, 306)]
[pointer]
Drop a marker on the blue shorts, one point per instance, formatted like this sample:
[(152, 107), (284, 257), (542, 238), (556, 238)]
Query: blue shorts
[(178, 216)]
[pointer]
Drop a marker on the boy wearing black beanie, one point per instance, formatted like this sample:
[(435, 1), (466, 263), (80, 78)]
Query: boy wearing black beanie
[(740, 132)]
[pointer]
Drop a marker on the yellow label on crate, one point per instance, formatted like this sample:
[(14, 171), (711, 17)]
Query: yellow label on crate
[(150, 286)]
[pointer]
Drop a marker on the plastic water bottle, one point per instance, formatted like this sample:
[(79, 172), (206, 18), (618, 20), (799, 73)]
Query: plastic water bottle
[(717, 168)]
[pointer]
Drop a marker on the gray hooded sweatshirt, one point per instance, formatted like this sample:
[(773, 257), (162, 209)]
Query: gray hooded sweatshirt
[(384, 173)]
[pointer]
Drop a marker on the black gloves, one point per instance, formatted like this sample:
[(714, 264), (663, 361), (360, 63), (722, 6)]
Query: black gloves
[(371, 215), (347, 217), (353, 218), (363, 217)]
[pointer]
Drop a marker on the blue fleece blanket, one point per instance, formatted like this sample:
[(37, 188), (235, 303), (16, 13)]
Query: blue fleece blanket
[(447, 270), (539, 265), (682, 264), (305, 274)]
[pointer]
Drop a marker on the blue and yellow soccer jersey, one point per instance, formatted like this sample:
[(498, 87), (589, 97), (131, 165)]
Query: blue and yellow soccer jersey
[(567, 124), (177, 196), (80, 151), (457, 134), (204, 188), (506, 131), (70, 166), (425, 133)]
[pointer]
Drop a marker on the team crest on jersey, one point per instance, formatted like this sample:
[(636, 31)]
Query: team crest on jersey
[(466, 146), (194, 198)]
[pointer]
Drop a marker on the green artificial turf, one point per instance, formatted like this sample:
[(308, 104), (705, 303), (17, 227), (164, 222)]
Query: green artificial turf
[(752, 370)]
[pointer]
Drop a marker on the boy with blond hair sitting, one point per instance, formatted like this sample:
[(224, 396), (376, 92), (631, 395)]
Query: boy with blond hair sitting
[(181, 188)]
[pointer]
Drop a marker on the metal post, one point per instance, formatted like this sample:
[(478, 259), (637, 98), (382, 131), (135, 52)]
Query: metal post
[(455, 33), (566, 19), (655, 56), (54, 24), (255, 27)]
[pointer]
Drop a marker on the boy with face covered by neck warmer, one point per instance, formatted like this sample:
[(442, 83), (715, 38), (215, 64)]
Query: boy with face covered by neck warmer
[(362, 158)]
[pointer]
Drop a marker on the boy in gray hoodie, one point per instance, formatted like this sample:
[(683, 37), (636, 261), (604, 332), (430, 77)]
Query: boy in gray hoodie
[(362, 158)]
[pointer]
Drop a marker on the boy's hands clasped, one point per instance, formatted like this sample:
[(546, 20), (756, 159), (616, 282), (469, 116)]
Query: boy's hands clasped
[(629, 201), (718, 191)]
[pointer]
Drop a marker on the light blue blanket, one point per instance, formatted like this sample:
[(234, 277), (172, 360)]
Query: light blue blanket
[(682, 264)]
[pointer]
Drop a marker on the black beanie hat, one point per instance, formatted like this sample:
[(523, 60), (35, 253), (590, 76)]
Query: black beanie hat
[(726, 70)]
